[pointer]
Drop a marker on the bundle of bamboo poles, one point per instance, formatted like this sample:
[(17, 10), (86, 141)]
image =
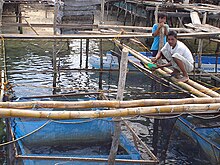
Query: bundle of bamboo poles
[(127, 108), (191, 86)]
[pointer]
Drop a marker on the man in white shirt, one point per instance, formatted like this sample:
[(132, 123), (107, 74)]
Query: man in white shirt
[(178, 56)]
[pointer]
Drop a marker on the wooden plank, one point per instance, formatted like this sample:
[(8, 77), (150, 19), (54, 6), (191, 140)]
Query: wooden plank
[(195, 18), (79, 8), (120, 91), (203, 27), (77, 3)]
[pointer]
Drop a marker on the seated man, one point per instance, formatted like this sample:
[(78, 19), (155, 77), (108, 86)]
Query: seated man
[(178, 56)]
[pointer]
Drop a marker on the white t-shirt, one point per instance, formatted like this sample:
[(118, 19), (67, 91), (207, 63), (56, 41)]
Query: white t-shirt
[(180, 48)]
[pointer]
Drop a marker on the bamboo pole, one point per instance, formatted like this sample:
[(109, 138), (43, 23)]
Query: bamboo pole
[(193, 86), (31, 27), (146, 60), (84, 159), (106, 103), (199, 87), (103, 36), (189, 108)]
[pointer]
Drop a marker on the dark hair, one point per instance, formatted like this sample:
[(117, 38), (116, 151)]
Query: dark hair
[(162, 15), (172, 33)]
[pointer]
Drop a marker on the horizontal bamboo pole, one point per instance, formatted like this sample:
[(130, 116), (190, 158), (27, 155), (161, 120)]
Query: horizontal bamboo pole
[(106, 103), (143, 28), (109, 113), (84, 159), (104, 36)]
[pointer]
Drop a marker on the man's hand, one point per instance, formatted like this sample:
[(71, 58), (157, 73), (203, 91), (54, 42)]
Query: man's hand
[(154, 59)]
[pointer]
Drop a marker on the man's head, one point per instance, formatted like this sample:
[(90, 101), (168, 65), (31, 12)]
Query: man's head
[(162, 17), (172, 38)]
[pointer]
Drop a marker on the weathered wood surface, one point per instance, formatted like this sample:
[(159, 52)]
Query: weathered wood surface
[(120, 91), (203, 27), (79, 3)]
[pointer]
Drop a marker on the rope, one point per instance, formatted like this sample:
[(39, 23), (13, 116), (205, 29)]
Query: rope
[(79, 122), (13, 141)]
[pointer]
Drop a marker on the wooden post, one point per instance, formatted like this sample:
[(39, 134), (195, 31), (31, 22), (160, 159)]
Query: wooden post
[(102, 11), (87, 53), (135, 13), (80, 59), (126, 12), (54, 47), (107, 11), (216, 60), (148, 17), (19, 18), (118, 11), (1, 11), (101, 64), (201, 44), (121, 86), (131, 13), (55, 17), (54, 66)]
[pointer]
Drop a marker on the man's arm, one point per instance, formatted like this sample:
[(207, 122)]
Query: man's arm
[(164, 65), (157, 57)]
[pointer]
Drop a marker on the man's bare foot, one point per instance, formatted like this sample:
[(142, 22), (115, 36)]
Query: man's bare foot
[(175, 74), (183, 79)]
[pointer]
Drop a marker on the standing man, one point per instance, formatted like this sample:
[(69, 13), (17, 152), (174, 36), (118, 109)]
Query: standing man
[(178, 56), (159, 31)]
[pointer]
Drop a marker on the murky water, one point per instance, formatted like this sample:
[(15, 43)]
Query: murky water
[(30, 73)]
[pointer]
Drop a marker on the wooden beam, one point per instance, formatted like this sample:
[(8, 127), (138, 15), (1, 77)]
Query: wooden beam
[(105, 36)]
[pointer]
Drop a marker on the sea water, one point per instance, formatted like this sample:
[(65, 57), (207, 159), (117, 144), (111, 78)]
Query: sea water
[(29, 66)]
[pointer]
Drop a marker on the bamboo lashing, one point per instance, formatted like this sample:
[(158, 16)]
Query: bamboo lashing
[(109, 113), (106, 103)]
